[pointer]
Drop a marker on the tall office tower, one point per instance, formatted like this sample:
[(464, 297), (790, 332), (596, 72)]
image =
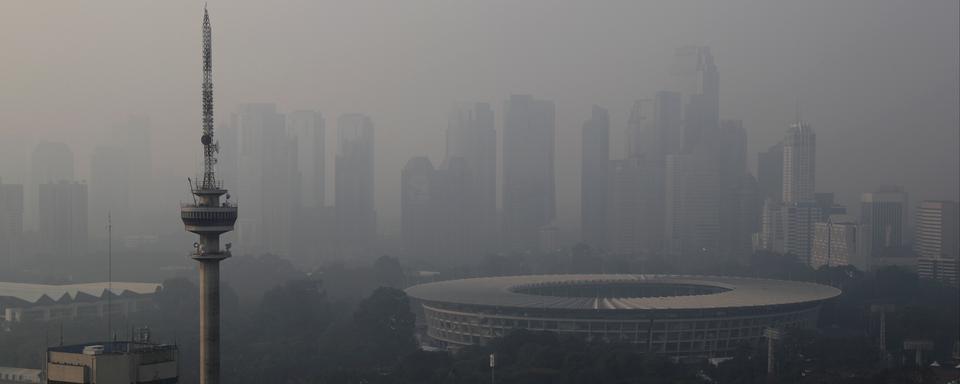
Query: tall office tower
[(110, 186), (50, 163), (692, 207), (208, 217), (308, 128), (11, 223), (450, 191), (471, 135), (63, 219), (730, 151), (133, 136), (799, 163), (771, 235), (935, 241), (634, 207), (748, 221), (835, 243), (882, 221), (698, 82), (594, 164), (828, 207), (770, 173), (417, 210), (268, 180), (798, 221), (353, 193), (529, 196)]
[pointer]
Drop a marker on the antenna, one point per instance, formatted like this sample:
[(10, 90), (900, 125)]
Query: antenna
[(210, 148), (109, 275)]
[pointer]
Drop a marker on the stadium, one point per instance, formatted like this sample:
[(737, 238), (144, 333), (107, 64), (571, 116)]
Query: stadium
[(681, 316)]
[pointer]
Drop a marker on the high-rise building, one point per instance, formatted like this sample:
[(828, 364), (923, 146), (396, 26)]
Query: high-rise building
[(529, 196), (692, 207), (730, 151), (799, 163), (354, 184), (935, 242), (471, 135), (269, 179), (634, 208), (417, 210), (698, 82), (133, 138), (63, 219), (882, 221), (50, 163), (595, 160), (110, 183), (835, 243), (308, 129), (770, 173), (11, 223)]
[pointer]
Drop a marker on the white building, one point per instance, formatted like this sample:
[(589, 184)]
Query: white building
[(835, 243), (935, 242)]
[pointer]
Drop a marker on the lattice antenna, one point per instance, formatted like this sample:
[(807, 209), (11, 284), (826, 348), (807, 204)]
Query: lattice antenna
[(210, 148)]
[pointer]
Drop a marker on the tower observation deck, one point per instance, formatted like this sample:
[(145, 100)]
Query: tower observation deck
[(208, 217)]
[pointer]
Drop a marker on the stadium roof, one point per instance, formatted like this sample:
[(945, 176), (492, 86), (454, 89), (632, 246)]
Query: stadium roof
[(33, 293), (738, 292)]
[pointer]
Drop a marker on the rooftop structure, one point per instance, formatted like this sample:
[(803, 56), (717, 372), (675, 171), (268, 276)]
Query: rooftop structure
[(113, 362), (38, 302)]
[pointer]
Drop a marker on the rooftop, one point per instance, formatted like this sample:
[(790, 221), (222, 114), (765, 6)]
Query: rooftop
[(621, 292), (32, 293)]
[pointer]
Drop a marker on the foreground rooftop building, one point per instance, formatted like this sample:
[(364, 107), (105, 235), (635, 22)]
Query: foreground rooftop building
[(680, 316), (113, 362)]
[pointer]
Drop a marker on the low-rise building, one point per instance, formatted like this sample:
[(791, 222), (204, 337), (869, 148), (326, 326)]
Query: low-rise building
[(113, 362), (39, 302)]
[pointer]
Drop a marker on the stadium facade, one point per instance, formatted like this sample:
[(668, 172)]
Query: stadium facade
[(681, 316)]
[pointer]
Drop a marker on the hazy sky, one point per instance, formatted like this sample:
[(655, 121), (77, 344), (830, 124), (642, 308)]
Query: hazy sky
[(877, 79)]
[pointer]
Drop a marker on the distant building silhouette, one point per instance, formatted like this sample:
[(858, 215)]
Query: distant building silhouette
[(63, 219), (835, 243), (308, 129), (471, 136), (529, 196), (882, 223), (594, 172), (11, 224), (770, 173), (354, 185), (110, 184), (50, 162)]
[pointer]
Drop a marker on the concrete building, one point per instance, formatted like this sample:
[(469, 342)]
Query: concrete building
[(770, 173), (634, 210), (38, 302), (882, 222), (692, 226), (594, 181), (676, 316), (835, 243), (935, 242), (126, 362), (799, 219), (11, 224), (50, 162), (308, 129), (417, 210), (63, 219), (529, 195), (799, 163), (472, 136), (354, 185), (269, 179)]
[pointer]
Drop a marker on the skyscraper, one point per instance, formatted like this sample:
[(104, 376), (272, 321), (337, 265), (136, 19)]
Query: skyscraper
[(770, 173), (882, 221), (692, 207), (308, 129), (51, 162), (634, 207), (835, 243), (698, 82), (529, 197), (209, 218), (269, 179), (595, 160), (63, 219), (417, 210), (471, 136), (935, 242), (799, 163), (354, 185), (11, 223)]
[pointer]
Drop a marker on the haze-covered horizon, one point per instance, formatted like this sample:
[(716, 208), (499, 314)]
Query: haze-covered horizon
[(877, 80)]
